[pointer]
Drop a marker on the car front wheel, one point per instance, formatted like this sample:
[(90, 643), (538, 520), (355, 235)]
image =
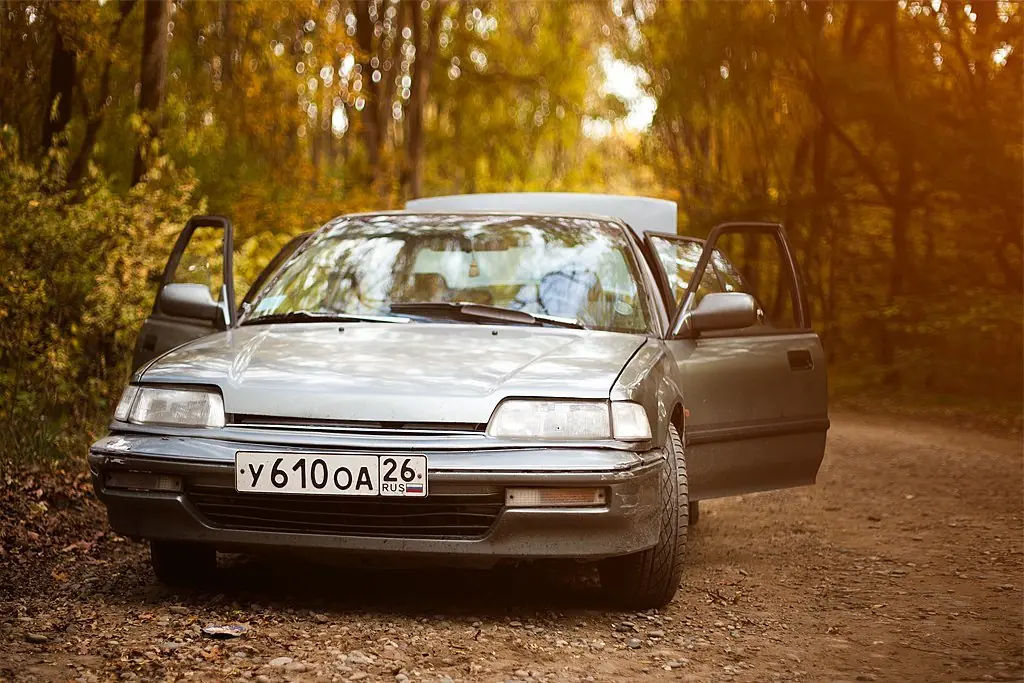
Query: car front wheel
[(651, 577), (182, 564)]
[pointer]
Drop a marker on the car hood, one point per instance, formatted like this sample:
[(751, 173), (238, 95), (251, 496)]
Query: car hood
[(385, 372)]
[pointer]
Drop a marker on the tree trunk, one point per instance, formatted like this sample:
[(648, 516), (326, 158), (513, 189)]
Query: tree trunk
[(820, 223), (389, 54), (426, 53), (62, 84), (94, 117), (820, 228), (153, 76), (371, 99), (671, 138), (227, 66), (902, 211), (752, 263)]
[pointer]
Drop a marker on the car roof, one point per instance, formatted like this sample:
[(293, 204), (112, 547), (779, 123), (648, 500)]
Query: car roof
[(470, 212), (642, 214)]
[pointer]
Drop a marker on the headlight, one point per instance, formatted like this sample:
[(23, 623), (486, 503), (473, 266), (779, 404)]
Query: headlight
[(629, 422), (177, 407), (575, 420), (124, 406), (569, 421)]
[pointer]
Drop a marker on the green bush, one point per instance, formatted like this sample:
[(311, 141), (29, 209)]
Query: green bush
[(74, 288)]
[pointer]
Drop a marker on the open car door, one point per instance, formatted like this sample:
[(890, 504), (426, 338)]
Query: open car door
[(196, 293), (196, 296), (755, 396)]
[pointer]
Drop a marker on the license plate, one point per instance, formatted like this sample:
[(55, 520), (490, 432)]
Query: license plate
[(332, 474)]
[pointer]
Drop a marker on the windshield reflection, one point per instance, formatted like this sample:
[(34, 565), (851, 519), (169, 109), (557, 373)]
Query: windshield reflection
[(573, 268)]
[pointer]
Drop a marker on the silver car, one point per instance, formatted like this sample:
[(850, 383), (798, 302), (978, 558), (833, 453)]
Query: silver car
[(478, 378)]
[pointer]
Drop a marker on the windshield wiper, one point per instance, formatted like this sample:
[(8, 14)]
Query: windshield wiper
[(461, 309), (320, 317)]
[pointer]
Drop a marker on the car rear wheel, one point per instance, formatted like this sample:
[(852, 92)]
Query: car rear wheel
[(651, 577), (182, 564)]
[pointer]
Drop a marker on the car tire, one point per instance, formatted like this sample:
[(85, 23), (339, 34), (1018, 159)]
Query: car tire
[(182, 564), (650, 578), (694, 515)]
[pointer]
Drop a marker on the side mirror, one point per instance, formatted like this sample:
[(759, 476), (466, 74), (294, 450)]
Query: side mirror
[(722, 311), (188, 300)]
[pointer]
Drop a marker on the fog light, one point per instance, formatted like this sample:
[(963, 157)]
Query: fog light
[(144, 481), (560, 498)]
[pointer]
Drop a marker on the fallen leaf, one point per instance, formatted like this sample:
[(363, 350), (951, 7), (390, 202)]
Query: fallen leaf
[(225, 631)]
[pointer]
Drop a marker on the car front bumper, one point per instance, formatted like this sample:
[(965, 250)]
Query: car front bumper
[(627, 522)]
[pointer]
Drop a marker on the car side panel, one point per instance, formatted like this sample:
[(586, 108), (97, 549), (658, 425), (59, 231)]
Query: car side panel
[(724, 468), (651, 379), (161, 333), (753, 422)]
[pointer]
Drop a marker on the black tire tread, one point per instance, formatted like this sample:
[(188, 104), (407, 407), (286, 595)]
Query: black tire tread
[(651, 577)]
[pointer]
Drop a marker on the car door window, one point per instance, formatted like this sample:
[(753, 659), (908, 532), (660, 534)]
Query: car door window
[(678, 258), (202, 261), (754, 263), (731, 278)]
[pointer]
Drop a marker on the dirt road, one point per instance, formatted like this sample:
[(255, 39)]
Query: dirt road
[(903, 563)]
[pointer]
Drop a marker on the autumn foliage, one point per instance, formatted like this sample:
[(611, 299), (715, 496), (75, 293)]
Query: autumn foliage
[(885, 136)]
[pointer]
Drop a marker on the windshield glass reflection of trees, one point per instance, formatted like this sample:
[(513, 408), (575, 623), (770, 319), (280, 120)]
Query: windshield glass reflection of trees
[(572, 268)]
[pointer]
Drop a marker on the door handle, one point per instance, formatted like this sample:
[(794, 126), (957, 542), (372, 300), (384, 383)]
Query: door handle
[(800, 360)]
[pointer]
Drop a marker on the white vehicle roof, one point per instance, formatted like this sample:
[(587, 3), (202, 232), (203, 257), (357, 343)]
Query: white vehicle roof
[(643, 214)]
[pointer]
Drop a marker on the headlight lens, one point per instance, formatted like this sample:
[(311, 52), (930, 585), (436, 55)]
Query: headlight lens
[(178, 407), (124, 406), (629, 422), (572, 420)]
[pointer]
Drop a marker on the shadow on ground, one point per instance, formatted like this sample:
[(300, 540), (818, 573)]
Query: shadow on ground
[(281, 582)]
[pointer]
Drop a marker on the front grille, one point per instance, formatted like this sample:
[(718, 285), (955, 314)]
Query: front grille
[(358, 426), (445, 515)]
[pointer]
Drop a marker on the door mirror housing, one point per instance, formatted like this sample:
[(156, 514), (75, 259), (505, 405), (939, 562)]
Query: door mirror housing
[(187, 300), (722, 311)]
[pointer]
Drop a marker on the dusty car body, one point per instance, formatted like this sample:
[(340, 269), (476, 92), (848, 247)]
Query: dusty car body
[(606, 377)]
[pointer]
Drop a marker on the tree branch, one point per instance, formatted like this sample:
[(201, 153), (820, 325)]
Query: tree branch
[(861, 159), (94, 119)]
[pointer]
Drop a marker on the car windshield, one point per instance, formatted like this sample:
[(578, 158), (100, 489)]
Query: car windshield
[(572, 269)]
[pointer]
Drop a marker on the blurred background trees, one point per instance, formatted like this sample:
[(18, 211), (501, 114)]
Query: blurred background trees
[(886, 136)]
